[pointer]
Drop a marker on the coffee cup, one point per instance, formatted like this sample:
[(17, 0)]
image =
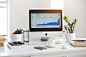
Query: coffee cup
[(51, 43)]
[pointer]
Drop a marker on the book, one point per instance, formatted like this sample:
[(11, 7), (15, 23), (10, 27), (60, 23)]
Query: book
[(79, 39), (2, 40), (79, 42), (1, 44)]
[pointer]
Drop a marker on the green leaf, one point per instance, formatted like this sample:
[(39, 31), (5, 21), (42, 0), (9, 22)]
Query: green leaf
[(65, 17), (71, 26), (65, 27), (18, 31)]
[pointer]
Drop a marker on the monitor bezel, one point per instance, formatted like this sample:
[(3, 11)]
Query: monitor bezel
[(44, 29)]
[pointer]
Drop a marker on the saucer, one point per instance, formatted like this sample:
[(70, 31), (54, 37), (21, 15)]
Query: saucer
[(50, 46)]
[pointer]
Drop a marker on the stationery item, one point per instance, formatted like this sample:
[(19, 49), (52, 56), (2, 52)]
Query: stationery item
[(14, 47), (26, 35), (15, 43), (40, 48)]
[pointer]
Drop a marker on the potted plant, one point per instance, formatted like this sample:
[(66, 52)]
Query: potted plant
[(70, 28), (17, 35)]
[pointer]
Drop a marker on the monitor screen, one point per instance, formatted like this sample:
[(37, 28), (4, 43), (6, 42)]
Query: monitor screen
[(45, 20)]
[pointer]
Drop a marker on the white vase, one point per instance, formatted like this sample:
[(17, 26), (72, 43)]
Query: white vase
[(17, 37), (70, 37)]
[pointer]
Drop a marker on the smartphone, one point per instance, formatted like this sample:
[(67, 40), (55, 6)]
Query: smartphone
[(40, 48)]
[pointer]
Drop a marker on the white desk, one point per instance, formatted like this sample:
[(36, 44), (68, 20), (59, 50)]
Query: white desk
[(28, 50)]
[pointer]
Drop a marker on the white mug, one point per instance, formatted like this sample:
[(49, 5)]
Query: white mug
[(51, 43)]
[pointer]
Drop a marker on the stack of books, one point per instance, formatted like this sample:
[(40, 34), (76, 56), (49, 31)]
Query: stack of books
[(2, 40), (79, 42)]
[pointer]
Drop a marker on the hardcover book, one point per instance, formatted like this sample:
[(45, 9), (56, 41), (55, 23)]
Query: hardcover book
[(79, 42)]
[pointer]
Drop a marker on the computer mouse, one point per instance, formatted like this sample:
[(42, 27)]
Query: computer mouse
[(65, 46)]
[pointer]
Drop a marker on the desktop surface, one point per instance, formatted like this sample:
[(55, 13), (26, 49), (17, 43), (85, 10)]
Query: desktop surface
[(28, 50)]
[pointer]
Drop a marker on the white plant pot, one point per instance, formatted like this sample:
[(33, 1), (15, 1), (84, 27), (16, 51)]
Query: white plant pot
[(17, 37), (69, 37)]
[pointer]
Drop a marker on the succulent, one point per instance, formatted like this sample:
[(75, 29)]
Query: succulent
[(70, 26), (18, 31)]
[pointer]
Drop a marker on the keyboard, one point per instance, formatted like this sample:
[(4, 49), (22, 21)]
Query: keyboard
[(37, 43)]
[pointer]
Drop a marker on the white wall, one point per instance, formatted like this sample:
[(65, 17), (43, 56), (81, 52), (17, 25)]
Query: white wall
[(77, 9), (58, 4), (3, 20), (19, 12)]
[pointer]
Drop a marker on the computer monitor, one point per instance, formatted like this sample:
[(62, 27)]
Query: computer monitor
[(45, 20)]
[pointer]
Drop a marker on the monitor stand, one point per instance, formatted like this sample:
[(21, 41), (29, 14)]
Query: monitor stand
[(36, 36), (45, 38)]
